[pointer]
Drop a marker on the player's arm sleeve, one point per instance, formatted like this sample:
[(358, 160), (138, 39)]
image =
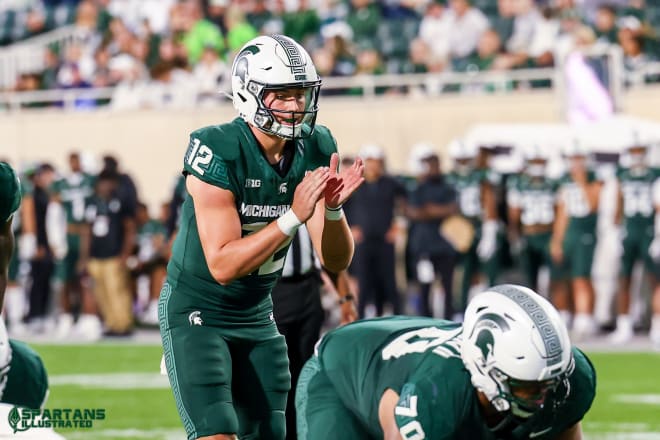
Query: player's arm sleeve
[(10, 194), (204, 163)]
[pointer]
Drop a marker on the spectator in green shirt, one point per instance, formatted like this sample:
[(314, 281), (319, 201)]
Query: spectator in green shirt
[(199, 33)]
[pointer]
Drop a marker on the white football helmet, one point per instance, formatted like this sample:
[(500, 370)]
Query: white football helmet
[(517, 349), (274, 62), (463, 154), (535, 160), (575, 149), (535, 153), (460, 149), (635, 154), (418, 153)]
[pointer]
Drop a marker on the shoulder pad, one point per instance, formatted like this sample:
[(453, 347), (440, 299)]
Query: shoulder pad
[(620, 171), (514, 180), (320, 146), (211, 151), (10, 191), (482, 174), (324, 140), (223, 140), (493, 177)]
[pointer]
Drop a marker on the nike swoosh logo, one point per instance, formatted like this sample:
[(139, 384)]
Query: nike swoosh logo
[(539, 433)]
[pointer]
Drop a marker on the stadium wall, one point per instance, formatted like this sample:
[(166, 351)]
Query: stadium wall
[(150, 143)]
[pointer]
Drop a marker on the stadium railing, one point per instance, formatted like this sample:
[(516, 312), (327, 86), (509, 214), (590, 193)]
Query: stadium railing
[(29, 55), (366, 86)]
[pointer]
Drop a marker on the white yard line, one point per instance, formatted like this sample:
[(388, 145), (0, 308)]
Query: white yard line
[(624, 436), (620, 431), (112, 380), (647, 399), (152, 434)]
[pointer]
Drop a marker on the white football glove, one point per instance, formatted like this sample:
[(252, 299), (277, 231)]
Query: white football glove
[(425, 271), (619, 235), (488, 243), (27, 246), (56, 229), (654, 249)]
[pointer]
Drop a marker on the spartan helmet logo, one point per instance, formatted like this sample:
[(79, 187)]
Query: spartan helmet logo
[(241, 68), (195, 319), (485, 340), (241, 65), (486, 343)]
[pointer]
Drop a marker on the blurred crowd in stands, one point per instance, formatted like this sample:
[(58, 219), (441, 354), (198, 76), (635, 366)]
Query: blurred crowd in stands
[(144, 46), (90, 260)]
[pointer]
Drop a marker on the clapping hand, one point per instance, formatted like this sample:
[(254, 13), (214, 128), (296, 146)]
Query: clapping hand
[(340, 186)]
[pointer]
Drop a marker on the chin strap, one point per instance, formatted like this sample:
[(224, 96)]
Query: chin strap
[(507, 424)]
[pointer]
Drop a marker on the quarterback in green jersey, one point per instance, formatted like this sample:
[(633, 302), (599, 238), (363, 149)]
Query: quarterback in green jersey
[(508, 372), (637, 213), (23, 378), (251, 183)]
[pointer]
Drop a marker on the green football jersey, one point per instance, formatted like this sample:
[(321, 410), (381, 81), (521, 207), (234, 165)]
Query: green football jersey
[(573, 196), (10, 192), (73, 190), (535, 197), (637, 190), (229, 157), (468, 187), (26, 190), (27, 381), (419, 358)]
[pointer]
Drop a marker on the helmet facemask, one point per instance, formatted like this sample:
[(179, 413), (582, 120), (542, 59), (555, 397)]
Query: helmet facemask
[(526, 398), (536, 168), (637, 157), (464, 165), (284, 123)]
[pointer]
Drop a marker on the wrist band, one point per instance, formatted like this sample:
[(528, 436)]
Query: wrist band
[(288, 223), (334, 214), (346, 298)]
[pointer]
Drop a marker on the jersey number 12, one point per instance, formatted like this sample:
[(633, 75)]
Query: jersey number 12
[(199, 155)]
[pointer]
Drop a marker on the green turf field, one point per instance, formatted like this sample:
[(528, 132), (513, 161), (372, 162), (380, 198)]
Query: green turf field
[(124, 380)]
